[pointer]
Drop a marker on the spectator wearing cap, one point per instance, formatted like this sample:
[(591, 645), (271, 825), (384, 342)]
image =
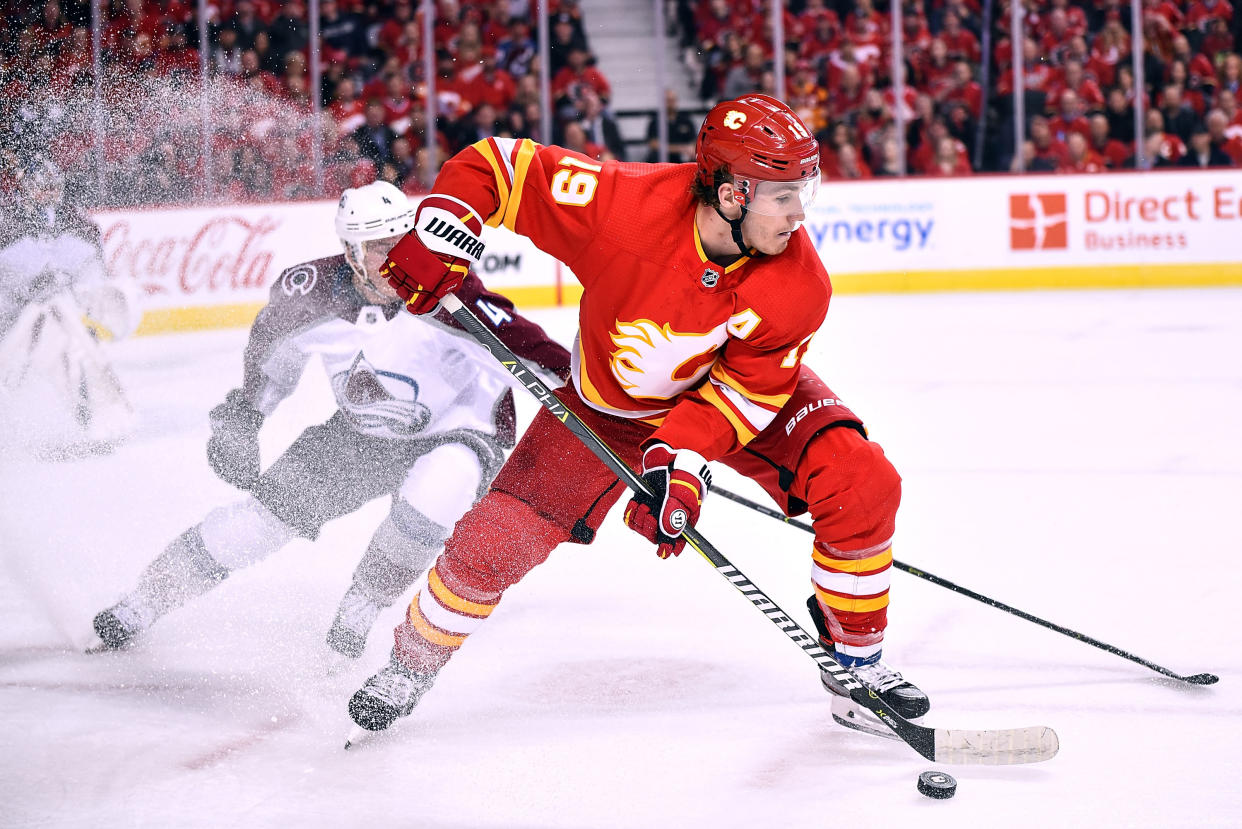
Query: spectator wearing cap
[(1203, 152), (1113, 152)]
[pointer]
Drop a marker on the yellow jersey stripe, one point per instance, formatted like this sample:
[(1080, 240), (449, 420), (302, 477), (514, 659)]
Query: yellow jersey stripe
[(502, 187), (430, 633), (741, 427), (525, 155), (849, 604), (854, 565), (774, 400), (698, 245), (451, 600)]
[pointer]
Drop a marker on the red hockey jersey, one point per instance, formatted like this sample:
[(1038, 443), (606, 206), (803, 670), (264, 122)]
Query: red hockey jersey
[(707, 353)]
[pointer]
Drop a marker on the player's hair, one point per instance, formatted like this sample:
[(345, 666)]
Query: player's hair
[(710, 196)]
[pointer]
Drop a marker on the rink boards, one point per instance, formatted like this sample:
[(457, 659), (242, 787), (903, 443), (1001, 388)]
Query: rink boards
[(211, 267)]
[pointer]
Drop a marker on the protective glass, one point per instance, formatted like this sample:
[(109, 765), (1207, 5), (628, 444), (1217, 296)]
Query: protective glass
[(783, 198)]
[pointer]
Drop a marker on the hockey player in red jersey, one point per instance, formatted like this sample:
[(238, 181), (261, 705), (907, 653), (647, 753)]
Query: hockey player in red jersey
[(701, 293)]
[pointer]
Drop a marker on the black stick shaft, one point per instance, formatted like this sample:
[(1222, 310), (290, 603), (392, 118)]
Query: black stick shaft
[(920, 738), (1196, 679)]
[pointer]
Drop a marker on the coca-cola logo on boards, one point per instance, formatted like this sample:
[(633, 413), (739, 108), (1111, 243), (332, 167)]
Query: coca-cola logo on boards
[(222, 254)]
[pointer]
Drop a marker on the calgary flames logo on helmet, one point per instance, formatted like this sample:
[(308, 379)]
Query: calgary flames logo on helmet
[(734, 119)]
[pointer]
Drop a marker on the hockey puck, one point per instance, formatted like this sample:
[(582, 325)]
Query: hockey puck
[(937, 784)]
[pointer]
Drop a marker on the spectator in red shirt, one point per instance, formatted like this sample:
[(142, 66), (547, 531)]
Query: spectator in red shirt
[(1168, 146), (397, 102), (965, 90), (937, 71), (346, 109), (1219, 129), (1038, 74), (1048, 149), (578, 72), (1074, 79), (1200, 70), (960, 41), (821, 30), (849, 165), (1202, 11), (1069, 119), (1079, 157), (1227, 102), (950, 158), (488, 83), (575, 139), (846, 95), (1057, 35), (1113, 152)]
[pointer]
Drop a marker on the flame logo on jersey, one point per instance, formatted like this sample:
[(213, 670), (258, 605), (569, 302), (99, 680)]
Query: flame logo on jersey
[(654, 361)]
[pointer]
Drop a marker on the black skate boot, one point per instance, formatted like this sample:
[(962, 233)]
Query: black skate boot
[(117, 626), (389, 695), (904, 697)]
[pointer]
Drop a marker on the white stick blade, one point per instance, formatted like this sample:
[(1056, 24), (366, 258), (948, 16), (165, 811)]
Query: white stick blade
[(996, 748)]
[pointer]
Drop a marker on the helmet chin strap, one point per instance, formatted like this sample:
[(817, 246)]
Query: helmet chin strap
[(735, 227)]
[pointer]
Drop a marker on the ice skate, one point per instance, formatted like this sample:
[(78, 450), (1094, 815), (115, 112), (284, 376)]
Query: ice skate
[(117, 626), (388, 695), (904, 697), (354, 618)]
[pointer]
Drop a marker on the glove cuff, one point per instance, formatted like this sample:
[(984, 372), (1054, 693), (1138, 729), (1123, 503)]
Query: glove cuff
[(449, 227)]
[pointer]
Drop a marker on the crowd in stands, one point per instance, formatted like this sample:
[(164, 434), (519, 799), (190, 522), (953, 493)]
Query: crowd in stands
[(259, 106), (1077, 74)]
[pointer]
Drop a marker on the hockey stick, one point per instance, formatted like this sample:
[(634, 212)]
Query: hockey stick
[(993, 747), (1196, 679)]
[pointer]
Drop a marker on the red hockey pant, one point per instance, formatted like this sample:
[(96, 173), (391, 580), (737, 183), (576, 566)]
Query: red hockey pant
[(552, 490)]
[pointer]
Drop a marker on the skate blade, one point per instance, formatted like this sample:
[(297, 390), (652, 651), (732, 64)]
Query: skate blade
[(97, 645), (850, 714)]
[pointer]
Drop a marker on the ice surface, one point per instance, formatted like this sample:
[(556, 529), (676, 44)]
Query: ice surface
[(1077, 455)]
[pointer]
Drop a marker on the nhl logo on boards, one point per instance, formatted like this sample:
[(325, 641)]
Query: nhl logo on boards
[(710, 278)]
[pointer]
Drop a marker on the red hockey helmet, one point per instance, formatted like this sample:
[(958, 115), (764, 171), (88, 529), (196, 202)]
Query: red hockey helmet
[(760, 139)]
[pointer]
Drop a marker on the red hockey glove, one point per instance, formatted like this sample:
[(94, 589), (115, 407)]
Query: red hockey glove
[(432, 259), (678, 481)]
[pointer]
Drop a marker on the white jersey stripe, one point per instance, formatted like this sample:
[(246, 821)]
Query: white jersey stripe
[(851, 584), (756, 415), (443, 618)]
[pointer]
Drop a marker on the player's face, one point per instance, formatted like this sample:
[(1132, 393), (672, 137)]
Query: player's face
[(770, 234), (373, 287), (775, 211)]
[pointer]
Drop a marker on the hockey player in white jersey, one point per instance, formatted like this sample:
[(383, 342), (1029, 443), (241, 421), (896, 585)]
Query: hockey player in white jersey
[(58, 391), (424, 415)]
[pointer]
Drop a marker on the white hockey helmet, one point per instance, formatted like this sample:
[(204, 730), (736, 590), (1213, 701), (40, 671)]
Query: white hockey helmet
[(375, 211)]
